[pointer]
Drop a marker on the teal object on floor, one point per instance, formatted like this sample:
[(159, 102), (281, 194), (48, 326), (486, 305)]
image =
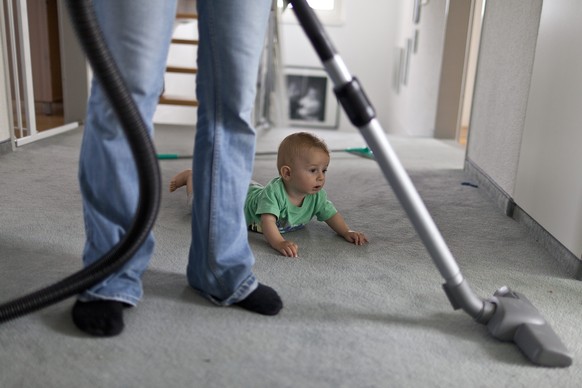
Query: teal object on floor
[(364, 152)]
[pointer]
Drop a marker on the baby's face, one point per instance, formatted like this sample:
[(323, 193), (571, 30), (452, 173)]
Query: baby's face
[(308, 171)]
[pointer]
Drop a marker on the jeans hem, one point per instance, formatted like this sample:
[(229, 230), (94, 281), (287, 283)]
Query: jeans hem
[(88, 296), (245, 289)]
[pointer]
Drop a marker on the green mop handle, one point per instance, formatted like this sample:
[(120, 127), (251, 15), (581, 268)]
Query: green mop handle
[(171, 156)]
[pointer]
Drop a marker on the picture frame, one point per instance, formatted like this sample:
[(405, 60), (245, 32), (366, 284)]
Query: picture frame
[(311, 102)]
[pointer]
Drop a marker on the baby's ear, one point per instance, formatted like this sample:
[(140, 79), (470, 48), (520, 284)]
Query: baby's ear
[(285, 172)]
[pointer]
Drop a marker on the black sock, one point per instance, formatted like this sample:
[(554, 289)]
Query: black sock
[(101, 318), (264, 300)]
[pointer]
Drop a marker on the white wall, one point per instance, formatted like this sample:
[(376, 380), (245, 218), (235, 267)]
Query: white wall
[(368, 43), (365, 41), (412, 110)]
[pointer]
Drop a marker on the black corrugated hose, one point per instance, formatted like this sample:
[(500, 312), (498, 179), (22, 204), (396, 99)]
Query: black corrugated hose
[(104, 67)]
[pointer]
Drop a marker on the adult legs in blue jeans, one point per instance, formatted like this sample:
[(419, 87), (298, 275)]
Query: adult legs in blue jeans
[(232, 36), (138, 33)]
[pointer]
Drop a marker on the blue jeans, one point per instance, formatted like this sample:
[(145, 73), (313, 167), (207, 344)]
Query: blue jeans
[(231, 41), (138, 33)]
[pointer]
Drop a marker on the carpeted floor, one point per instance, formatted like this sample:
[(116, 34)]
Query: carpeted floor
[(371, 316)]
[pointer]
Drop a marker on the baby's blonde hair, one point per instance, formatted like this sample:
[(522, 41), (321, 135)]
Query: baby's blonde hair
[(296, 143)]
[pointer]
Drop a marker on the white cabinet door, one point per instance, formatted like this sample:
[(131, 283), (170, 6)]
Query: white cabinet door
[(549, 175)]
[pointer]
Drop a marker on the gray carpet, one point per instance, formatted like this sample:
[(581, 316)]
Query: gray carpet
[(372, 316)]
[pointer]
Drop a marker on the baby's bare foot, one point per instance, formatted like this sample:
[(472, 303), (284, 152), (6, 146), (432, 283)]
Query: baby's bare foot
[(182, 179)]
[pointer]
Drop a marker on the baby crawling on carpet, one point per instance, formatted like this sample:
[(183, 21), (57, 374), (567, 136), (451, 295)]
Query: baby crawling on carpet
[(289, 201)]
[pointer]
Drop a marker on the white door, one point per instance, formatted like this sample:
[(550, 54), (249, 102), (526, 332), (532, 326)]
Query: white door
[(549, 174)]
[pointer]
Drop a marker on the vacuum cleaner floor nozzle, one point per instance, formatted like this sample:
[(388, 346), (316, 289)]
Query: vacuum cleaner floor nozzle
[(516, 319)]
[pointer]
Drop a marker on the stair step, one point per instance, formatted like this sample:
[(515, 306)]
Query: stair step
[(183, 70), (193, 42), (176, 100), (185, 15)]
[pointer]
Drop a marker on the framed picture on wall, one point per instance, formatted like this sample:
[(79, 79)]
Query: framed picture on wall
[(310, 98)]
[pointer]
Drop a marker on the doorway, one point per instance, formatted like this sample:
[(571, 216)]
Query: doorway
[(460, 55), (43, 24), (37, 34), (477, 14)]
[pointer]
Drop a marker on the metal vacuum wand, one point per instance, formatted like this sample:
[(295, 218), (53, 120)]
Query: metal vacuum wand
[(508, 315)]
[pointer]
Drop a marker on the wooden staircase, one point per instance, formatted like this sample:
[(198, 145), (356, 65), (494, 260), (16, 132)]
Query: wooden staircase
[(166, 99)]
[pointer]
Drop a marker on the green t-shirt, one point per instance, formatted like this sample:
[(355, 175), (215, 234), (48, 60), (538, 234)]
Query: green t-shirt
[(273, 199)]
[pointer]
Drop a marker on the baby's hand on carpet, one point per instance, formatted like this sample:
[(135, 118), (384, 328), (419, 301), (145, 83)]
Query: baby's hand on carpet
[(287, 248), (357, 238)]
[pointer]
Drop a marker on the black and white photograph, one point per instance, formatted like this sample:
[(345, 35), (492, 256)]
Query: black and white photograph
[(311, 102)]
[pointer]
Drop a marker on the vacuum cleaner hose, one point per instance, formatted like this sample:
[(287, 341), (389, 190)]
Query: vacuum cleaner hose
[(104, 67)]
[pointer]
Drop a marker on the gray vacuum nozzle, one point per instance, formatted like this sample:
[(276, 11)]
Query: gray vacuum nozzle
[(516, 319)]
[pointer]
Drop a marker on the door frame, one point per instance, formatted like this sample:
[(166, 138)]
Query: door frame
[(460, 55)]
